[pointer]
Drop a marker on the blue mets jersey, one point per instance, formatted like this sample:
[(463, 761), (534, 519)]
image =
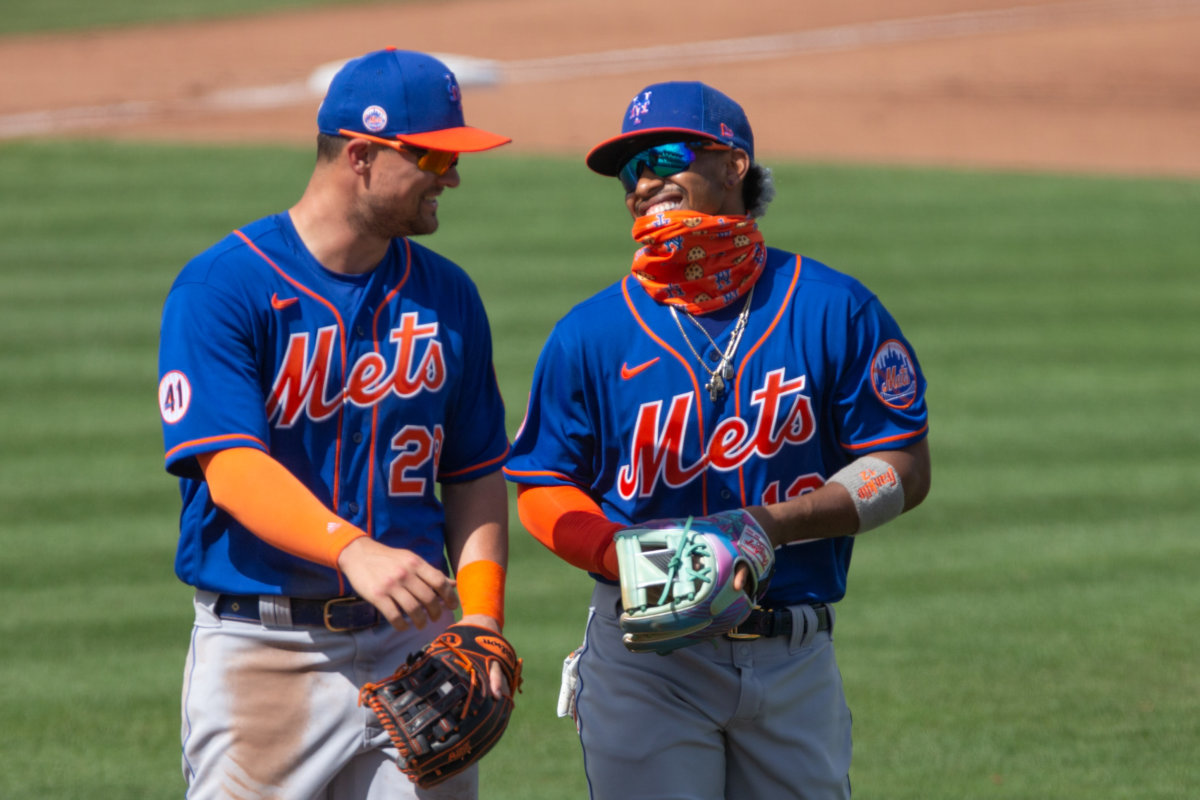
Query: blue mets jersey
[(368, 388), (822, 376)]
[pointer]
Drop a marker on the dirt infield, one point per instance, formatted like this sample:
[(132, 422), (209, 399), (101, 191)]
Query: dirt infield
[(1100, 85)]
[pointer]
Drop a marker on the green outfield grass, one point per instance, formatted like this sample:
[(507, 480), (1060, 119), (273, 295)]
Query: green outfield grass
[(39, 16), (1030, 632)]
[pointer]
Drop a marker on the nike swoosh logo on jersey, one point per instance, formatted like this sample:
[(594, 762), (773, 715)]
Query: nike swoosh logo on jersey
[(280, 305), (628, 372)]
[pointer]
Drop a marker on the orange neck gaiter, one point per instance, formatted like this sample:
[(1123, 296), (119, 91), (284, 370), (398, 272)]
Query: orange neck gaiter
[(696, 261)]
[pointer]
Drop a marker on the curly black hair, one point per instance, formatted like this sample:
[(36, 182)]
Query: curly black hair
[(758, 190)]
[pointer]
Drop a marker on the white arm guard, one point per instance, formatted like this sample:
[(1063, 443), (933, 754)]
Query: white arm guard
[(875, 489)]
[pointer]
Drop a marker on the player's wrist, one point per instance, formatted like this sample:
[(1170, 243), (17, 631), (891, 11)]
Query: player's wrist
[(609, 563), (483, 621), (781, 525), (348, 546), (345, 536)]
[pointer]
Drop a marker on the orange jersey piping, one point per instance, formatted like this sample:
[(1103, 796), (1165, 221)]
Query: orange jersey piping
[(887, 439), (337, 448), (375, 408), (227, 437), (538, 473), (737, 397), (695, 387), (481, 465)]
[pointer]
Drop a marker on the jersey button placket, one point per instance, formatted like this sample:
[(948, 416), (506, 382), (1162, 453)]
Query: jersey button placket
[(354, 419)]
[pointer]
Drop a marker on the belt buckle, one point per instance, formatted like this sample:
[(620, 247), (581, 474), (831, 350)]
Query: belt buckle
[(328, 613), (733, 632)]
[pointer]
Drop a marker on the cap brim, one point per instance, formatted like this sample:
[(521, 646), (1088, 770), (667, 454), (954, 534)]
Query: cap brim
[(609, 156), (459, 140)]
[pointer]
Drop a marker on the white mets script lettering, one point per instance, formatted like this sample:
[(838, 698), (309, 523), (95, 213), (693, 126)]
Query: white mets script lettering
[(302, 384), (657, 448)]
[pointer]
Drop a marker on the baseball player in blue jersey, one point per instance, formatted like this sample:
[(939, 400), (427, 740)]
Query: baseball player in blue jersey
[(719, 374), (320, 374)]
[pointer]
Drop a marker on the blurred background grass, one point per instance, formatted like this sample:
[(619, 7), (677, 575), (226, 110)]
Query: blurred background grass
[(44, 16), (1029, 632)]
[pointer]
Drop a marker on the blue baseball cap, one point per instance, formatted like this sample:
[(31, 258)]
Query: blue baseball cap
[(669, 112), (404, 95)]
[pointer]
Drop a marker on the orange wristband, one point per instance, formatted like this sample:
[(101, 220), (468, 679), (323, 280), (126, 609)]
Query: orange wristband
[(481, 589)]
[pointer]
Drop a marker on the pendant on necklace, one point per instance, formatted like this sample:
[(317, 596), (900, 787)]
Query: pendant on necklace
[(727, 373), (716, 387)]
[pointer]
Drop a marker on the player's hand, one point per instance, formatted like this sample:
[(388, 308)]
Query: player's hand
[(405, 588), (740, 576), (767, 523), (497, 685)]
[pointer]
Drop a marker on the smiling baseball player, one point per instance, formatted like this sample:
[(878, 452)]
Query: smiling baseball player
[(722, 394), (320, 373)]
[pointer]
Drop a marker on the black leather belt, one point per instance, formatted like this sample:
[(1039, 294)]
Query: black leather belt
[(337, 614), (766, 622)]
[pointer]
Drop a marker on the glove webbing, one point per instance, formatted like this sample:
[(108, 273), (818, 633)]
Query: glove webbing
[(466, 664), (683, 560)]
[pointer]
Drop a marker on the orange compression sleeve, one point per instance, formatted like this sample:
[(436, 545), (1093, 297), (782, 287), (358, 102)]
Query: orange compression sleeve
[(572, 525), (275, 506), (481, 589)]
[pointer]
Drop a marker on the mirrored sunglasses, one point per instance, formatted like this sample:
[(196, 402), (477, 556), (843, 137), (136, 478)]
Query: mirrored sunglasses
[(439, 162), (663, 160)]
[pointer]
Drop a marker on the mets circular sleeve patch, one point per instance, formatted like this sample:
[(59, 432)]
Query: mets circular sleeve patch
[(893, 376)]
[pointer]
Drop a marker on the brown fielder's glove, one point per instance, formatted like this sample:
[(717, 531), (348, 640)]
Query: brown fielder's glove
[(437, 707)]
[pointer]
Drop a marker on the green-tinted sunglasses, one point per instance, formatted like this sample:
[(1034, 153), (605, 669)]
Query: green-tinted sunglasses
[(663, 160)]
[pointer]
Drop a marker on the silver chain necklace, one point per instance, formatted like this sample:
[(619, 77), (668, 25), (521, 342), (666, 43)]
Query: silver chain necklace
[(724, 370)]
